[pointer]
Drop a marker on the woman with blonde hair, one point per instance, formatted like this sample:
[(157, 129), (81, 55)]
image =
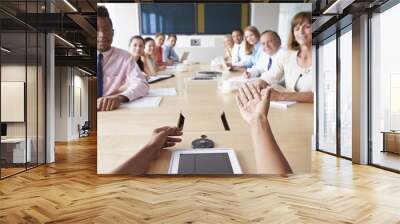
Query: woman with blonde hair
[(250, 50), (293, 66)]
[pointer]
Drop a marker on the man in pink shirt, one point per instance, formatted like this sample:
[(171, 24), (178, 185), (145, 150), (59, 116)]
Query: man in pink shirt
[(115, 68)]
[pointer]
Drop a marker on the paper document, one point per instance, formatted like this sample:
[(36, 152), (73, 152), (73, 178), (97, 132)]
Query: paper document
[(171, 67), (162, 92), (143, 102), (282, 104), (241, 79)]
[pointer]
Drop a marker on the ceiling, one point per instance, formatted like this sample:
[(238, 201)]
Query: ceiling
[(74, 22), (331, 15)]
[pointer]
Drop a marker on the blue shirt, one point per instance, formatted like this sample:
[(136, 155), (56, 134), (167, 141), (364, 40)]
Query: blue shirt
[(169, 53), (257, 51)]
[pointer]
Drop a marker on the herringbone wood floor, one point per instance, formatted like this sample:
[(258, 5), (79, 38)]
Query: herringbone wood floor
[(69, 191)]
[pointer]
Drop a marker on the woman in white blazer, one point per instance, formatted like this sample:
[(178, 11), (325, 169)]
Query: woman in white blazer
[(294, 66)]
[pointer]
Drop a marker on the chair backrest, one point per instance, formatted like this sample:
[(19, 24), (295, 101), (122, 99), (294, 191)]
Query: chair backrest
[(86, 125)]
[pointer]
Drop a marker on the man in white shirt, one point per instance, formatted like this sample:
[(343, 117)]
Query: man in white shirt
[(237, 36), (271, 43)]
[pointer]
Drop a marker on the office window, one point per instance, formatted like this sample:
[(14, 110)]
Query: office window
[(32, 96), (385, 89), (22, 76), (346, 92), (193, 18), (13, 83), (327, 96)]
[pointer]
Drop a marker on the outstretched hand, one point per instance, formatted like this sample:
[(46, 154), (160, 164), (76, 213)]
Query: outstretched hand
[(164, 137), (139, 163), (253, 104)]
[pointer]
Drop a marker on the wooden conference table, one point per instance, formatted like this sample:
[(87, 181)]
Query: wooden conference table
[(121, 133)]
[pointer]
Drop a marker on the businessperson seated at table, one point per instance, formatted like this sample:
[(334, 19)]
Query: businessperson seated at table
[(159, 39), (254, 106), (228, 47), (169, 55), (294, 66), (136, 48), (271, 45), (237, 36), (250, 49), (143, 52), (115, 68), (149, 57)]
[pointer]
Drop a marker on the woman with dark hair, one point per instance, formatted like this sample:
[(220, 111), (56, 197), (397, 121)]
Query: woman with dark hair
[(293, 66), (136, 48), (150, 66)]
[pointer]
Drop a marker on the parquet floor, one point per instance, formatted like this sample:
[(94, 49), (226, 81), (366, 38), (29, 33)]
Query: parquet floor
[(69, 191)]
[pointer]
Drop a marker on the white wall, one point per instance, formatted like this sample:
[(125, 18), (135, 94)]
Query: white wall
[(125, 17), (265, 16), (69, 85), (14, 73), (83, 83), (211, 46), (33, 126), (61, 103), (81, 105)]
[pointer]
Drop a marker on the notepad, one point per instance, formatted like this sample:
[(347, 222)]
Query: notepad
[(206, 75), (282, 104), (157, 78), (143, 102), (162, 92)]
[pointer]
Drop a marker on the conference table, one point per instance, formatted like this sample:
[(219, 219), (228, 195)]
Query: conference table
[(122, 132)]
